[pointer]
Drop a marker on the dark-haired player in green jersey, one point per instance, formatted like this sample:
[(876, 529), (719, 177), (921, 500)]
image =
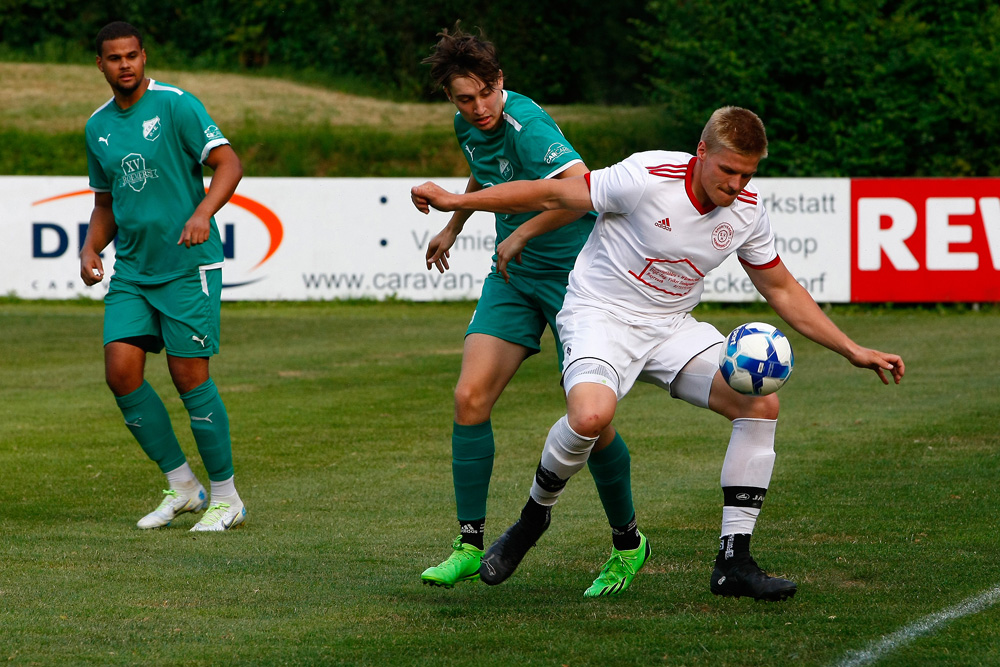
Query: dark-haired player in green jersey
[(145, 151), (504, 137)]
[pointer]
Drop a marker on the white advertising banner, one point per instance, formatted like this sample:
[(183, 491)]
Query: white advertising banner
[(283, 239), (812, 228), (343, 238)]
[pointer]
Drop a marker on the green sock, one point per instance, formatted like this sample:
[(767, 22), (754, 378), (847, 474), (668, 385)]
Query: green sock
[(147, 419), (612, 473), (210, 426), (472, 450)]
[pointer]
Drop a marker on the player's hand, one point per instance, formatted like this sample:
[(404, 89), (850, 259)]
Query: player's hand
[(880, 362), (91, 267), (438, 250), (196, 231), (431, 195), (510, 248)]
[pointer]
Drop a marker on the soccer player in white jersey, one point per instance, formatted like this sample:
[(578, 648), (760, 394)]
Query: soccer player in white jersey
[(145, 151), (665, 220), (505, 136)]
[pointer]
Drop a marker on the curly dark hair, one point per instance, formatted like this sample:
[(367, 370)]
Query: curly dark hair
[(458, 53), (113, 31)]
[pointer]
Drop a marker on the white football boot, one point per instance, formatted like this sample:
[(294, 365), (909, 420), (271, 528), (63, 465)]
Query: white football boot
[(175, 501), (222, 516)]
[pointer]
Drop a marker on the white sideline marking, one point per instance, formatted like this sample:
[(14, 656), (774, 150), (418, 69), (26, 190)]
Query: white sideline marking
[(923, 626)]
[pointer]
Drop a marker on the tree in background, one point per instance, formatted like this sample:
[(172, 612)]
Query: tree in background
[(556, 53), (846, 87)]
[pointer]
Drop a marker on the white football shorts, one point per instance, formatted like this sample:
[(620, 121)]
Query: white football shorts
[(599, 347)]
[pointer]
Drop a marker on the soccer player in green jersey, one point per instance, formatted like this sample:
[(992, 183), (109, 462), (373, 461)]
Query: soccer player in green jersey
[(504, 137), (145, 151)]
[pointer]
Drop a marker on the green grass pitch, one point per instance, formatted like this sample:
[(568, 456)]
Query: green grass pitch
[(883, 505)]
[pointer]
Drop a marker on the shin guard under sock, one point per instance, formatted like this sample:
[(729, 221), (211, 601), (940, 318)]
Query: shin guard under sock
[(147, 419), (210, 427)]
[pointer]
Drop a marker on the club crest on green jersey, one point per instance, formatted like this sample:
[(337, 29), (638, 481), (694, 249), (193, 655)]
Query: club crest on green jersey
[(213, 132), (134, 172), (151, 129), (505, 169)]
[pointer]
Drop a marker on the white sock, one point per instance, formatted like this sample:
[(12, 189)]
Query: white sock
[(565, 453), (224, 491), (182, 477), (748, 465)]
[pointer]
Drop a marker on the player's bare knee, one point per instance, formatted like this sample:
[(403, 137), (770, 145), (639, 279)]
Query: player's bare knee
[(731, 404), (760, 407), (589, 424), (591, 396), (472, 405), (122, 383), (187, 373)]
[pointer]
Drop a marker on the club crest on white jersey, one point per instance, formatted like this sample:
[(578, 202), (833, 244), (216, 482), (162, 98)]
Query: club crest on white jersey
[(722, 236)]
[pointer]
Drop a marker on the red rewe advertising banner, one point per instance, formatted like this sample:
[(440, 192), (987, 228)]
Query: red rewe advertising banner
[(925, 240)]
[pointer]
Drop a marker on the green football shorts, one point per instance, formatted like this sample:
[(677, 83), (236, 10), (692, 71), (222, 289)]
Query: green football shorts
[(181, 315), (518, 311)]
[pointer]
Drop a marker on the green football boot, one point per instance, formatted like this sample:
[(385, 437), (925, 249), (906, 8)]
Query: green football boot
[(461, 565), (620, 570)]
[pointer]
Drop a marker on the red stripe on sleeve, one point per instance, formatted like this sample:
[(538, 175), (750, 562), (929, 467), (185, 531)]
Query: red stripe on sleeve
[(772, 263)]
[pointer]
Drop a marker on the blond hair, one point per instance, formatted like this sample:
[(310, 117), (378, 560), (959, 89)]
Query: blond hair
[(736, 129)]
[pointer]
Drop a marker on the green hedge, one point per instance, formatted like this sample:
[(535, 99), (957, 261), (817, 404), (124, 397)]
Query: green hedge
[(846, 87), (547, 53)]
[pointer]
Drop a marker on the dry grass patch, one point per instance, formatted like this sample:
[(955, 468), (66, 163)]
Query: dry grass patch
[(59, 98)]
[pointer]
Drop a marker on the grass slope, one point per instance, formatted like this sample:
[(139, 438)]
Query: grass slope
[(284, 128), (882, 506)]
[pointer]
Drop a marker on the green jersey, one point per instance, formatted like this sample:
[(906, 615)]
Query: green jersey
[(527, 146), (149, 157)]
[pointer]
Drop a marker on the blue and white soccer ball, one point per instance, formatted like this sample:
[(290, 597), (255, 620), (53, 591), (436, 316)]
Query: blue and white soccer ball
[(756, 359)]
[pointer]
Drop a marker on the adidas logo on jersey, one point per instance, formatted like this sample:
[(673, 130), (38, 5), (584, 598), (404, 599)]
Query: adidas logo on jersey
[(663, 224)]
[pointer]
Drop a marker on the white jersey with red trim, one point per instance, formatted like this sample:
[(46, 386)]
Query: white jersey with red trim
[(653, 243)]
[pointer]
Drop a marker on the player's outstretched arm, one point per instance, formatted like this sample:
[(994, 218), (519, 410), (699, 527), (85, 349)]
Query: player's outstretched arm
[(99, 234), (795, 305), (439, 247), (514, 197), (227, 172), (431, 195), (510, 248)]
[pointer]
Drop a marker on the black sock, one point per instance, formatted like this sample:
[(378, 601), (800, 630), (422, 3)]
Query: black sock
[(472, 532), (534, 513), (626, 538), (733, 546)]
